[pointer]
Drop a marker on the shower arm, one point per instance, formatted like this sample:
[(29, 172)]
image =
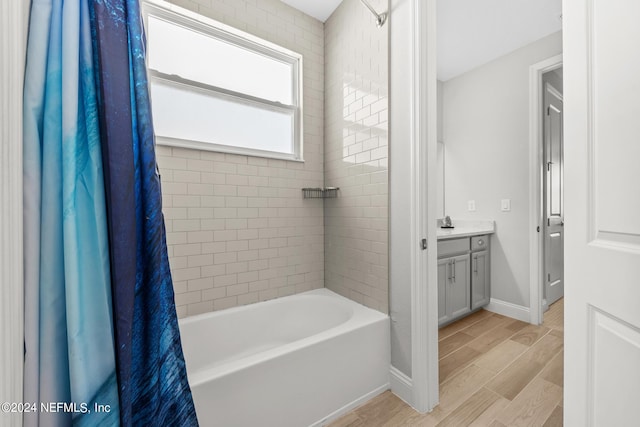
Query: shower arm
[(380, 17)]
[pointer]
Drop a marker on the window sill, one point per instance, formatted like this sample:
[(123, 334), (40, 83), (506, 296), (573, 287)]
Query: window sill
[(207, 146)]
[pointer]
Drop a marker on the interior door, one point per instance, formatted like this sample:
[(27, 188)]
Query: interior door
[(602, 208), (553, 197)]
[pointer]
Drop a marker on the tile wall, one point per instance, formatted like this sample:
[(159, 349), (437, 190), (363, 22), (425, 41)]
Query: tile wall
[(356, 154), (238, 229)]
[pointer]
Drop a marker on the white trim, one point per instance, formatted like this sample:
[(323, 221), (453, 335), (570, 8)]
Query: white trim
[(424, 138), (401, 385), (350, 406), (190, 20), (12, 58), (550, 88), (508, 309), (536, 244), (220, 92)]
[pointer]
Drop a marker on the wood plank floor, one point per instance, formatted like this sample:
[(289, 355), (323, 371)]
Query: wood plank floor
[(494, 371)]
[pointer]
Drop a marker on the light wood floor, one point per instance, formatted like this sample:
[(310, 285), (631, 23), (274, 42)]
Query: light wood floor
[(494, 371)]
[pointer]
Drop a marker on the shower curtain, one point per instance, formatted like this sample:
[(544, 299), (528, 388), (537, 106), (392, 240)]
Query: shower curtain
[(100, 320)]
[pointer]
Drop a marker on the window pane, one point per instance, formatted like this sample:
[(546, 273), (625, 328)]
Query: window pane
[(174, 49), (196, 116)]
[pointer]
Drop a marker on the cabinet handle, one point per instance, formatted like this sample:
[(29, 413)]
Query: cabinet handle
[(475, 264), (480, 242), (454, 270)]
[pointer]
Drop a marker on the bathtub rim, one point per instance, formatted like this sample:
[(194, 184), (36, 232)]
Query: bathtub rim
[(361, 316), (275, 301)]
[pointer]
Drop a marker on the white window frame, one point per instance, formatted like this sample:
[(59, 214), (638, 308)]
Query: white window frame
[(193, 21)]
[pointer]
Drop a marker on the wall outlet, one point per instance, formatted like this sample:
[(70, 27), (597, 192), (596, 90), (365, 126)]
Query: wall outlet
[(505, 205), (471, 205)]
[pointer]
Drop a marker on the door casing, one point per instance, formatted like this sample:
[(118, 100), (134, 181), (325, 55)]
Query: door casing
[(13, 25), (536, 193)]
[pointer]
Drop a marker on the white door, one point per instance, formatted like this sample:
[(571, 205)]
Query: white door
[(553, 199), (602, 211)]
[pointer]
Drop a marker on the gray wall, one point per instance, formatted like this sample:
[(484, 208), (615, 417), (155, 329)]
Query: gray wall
[(486, 134)]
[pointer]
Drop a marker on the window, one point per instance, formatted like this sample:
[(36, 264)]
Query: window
[(214, 87)]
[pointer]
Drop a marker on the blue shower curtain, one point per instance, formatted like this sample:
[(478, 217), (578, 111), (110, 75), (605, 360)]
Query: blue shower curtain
[(153, 381), (69, 347), (100, 320)]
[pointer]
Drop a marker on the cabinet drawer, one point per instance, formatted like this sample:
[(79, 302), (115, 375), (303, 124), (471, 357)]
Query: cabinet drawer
[(479, 243), (453, 246)]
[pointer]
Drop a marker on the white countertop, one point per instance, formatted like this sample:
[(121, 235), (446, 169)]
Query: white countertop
[(465, 228)]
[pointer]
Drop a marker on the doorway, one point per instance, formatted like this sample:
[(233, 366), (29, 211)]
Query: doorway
[(487, 160), (546, 166), (553, 188)]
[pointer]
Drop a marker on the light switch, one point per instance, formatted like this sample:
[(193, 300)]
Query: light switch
[(471, 205), (505, 205)]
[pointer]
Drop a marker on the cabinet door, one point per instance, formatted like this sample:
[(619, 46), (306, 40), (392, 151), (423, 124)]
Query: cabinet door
[(480, 280), (444, 273), (459, 289)]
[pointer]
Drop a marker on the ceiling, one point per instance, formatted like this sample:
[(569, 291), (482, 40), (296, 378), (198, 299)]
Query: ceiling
[(474, 32), (319, 9)]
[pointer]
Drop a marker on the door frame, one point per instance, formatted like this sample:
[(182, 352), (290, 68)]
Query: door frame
[(424, 141), (536, 191), (13, 25)]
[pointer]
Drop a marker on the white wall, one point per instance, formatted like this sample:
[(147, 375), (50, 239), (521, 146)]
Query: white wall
[(238, 229), (356, 155), (400, 98), (486, 135)]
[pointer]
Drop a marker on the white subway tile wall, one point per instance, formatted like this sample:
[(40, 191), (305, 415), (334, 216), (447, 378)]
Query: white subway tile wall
[(238, 229), (356, 154)]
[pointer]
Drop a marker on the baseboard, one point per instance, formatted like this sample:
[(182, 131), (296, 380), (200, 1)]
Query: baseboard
[(508, 309), (401, 385), (350, 406)]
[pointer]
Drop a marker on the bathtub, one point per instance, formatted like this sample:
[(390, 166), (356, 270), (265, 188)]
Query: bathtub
[(301, 360)]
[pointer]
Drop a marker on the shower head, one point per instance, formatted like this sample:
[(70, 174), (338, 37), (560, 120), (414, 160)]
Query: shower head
[(381, 18)]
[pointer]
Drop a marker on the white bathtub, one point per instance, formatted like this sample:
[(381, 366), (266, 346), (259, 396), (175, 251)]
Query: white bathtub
[(296, 361)]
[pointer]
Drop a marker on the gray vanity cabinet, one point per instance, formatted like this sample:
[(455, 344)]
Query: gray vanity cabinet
[(463, 276), (459, 292), (480, 282), (443, 282), (454, 292)]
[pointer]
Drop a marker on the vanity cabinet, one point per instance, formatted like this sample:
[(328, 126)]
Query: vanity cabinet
[(463, 277), (454, 292), (480, 285)]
